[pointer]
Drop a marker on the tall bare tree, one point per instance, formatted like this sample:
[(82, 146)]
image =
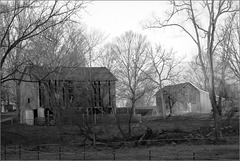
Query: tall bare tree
[(128, 53), (230, 35), (203, 34), (22, 20), (107, 58), (165, 68)]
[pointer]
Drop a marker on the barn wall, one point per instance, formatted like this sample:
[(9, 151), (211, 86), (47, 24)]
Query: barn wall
[(113, 95), (194, 99), (205, 102), (83, 93), (28, 98), (159, 108), (29, 95)]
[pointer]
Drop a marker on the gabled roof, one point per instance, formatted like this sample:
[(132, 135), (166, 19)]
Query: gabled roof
[(177, 87), (70, 73)]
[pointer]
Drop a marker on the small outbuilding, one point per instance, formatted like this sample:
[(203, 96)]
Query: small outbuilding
[(183, 98)]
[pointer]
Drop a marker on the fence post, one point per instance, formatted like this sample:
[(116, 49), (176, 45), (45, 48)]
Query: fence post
[(149, 155), (113, 154), (38, 152), (15, 148), (59, 150), (48, 118), (5, 152), (193, 156), (20, 152), (83, 119), (84, 150)]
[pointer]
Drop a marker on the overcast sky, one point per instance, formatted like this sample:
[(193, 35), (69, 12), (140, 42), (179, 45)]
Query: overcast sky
[(116, 17)]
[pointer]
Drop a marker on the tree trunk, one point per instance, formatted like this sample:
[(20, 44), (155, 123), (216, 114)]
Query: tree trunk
[(216, 109), (132, 113), (170, 108), (18, 95), (217, 124), (1, 88)]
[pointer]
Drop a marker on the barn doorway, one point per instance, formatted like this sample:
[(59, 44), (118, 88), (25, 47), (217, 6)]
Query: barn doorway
[(35, 115)]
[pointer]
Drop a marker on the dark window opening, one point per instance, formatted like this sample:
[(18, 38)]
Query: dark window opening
[(35, 113), (70, 91), (63, 96), (40, 94), (99, 95), (109, 94), (28, 100)]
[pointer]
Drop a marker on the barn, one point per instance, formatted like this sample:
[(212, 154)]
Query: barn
[(45, 88), (183, 98)]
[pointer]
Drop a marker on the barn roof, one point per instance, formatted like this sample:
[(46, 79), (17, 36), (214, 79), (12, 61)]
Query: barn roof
[(174, 88), (177, 87), (70, 73)]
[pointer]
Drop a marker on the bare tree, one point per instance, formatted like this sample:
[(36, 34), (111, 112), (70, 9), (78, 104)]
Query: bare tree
[(194, 72), (38, 17), (107, 57), (165, 68), (172, 97), (230, 43), (199, 31), (130, 55), (23, 20)]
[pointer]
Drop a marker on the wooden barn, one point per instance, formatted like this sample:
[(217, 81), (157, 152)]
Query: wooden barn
[(82, 88), (183, 98)]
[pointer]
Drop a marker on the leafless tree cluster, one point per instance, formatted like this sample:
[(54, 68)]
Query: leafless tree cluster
[(139, 67), (43, 33), (203, 33)]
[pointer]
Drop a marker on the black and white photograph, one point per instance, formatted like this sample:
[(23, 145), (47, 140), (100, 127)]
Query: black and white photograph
[(119, 80)]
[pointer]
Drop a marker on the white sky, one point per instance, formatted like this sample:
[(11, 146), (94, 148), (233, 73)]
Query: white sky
[(116, 17)]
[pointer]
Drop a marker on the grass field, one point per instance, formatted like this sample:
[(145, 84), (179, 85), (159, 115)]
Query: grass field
[(71, 144)]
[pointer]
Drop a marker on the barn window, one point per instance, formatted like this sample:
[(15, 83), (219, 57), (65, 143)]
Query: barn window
[(63, 96), (97, 93), (28, 100), (40, 94), (70, 91), (109, 94)]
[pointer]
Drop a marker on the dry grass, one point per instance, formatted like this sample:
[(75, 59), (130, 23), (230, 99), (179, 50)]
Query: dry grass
[(29, 136)]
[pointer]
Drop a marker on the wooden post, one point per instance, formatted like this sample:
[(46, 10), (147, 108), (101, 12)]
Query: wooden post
[(149, 155), (20, 152), (102, 114), (59, 151), (113, 154), (5, 152), (38, 152), (95, 118), (84, 148), (87, 113), (83, 119), (48, 117)]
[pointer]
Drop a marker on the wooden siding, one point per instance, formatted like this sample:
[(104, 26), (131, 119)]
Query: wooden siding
[(189, 99)]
